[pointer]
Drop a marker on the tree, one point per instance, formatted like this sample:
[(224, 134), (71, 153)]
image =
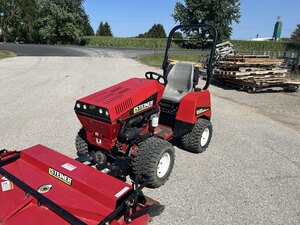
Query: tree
[(23, 24), (86, 26), (178, 35), (219, 13), (156, 31), (17, 17), (57, 23), (6, 12), (104, 30), (296, 35), (44, 21)]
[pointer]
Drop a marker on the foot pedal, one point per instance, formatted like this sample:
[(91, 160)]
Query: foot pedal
[(156, 210), (85, 158)]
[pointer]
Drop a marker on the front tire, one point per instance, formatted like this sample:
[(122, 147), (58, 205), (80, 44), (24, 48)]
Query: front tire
[(199, 138), (153, 162), (81, 143)]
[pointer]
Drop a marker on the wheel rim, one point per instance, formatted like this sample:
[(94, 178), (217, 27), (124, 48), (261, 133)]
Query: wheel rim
[(163, 165), (205, 137)]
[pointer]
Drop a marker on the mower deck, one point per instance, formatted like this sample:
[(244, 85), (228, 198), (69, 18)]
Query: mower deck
[(41, 186)]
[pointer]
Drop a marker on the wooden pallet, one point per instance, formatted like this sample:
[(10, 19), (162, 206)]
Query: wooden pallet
[(250, 69), (253, 87), (252, 72), (236, 65), (257, 72), (249, 56), (225, 49)]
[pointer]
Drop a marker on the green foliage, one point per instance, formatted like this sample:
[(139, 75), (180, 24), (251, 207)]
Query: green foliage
[(58, 26), (17, 18), (104, 30), (296, 35), (156, 31), (143, 43), (219, 13), (44, 21), (160, 43), (177, 35), (87, 29), (264, 46)]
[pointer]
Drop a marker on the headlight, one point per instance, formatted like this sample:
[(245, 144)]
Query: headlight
[(84, 106), (106, 113), (78, 105), (100, 111)]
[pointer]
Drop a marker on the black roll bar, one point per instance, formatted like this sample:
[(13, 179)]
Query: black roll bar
[(212, 51)]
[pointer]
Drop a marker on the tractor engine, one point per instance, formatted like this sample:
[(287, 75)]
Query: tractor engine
[(119, 114)]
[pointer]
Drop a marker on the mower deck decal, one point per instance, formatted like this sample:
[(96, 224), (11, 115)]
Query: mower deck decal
[(7, 185), (69, 166), (202, 110), (121, 192), (60, 176)]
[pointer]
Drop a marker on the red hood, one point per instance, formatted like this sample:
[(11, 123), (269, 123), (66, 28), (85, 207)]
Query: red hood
[(123, 97)]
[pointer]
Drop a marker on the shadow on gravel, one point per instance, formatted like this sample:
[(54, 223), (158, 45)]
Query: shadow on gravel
[(228, 86), (177, 143)]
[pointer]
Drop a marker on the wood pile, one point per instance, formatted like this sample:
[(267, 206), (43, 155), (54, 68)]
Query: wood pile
[(254, 72), (225, 49)]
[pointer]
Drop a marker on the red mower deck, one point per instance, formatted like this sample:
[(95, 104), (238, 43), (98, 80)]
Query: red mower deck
[(41, 186)]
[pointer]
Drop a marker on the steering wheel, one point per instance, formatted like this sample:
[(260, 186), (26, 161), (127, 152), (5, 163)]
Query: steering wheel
[(156, 76)]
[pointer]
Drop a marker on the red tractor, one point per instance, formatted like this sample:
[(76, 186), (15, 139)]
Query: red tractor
[(127, 128)]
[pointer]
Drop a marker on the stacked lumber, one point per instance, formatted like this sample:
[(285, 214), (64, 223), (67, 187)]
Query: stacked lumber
[(225, 49), (254, 72)]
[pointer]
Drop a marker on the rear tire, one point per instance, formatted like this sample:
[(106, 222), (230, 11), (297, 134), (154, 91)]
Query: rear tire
[(153, 162), (199, 138), (81, 143)]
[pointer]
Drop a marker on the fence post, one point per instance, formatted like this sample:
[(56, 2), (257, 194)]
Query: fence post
[(293, 55)]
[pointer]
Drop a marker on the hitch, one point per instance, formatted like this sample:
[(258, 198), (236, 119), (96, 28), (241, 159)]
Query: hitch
[(7, 157), (132, 202), (119, 169)]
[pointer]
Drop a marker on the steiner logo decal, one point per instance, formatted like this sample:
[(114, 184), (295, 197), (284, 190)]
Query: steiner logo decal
[(201, 110), (60, 176), (143, 106)]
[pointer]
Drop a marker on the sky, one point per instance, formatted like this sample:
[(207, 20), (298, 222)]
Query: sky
[(132, 17)]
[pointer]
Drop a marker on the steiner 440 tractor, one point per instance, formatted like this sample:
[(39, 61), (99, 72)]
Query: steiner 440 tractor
[(126, 131), (127, 128)]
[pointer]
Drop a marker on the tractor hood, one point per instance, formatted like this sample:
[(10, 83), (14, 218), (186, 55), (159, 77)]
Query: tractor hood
[(129, 97), (40, 186)]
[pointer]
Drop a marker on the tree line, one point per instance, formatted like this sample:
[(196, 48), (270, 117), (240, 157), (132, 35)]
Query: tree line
[(65, 21), (44, 21)]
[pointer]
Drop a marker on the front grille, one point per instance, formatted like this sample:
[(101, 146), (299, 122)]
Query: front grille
[(124, 106), (113, 95), (92, 111)]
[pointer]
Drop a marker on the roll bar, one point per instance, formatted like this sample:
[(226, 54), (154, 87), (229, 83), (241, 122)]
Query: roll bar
[(212, 51)]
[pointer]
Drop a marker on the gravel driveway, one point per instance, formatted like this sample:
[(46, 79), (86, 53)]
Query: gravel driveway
[(248, 175)]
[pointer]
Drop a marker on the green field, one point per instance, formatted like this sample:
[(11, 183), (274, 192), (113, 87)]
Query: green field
[(265, 46), (5, 54), (141, 43), (160, 43), (157, 59)]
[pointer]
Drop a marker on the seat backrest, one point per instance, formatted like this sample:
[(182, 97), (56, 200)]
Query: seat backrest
[(180, 77)]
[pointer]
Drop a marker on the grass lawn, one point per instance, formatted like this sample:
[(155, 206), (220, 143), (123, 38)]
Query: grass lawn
[(5, 54), (157, 59)]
